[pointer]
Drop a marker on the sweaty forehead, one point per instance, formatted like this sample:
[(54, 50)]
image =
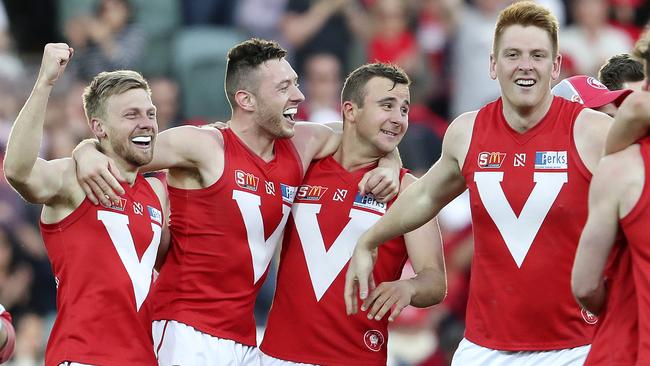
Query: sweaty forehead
[(134, 98)]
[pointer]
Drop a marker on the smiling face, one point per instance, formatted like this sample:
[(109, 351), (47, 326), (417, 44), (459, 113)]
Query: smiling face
[(130, 127), (383, 119), (277, 98), (524, 65)]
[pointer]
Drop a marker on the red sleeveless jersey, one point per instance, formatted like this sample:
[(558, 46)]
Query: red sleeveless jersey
[(528, 197), (617, 334), (307, 322), (223, 238), (635, 228), (102, 259)]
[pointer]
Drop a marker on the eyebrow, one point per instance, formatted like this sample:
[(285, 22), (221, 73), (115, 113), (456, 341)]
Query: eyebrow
[(391, 99)]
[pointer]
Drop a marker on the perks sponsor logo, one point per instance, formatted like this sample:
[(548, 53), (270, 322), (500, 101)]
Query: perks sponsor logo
[(155, 214), (369, 202), (246, 180), (119, 206), (491, 160), (288, 193), (373, 340), (311, 193), (551, 160)]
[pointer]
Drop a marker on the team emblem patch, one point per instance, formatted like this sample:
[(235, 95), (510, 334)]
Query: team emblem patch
[(246, 180), (288, 193), (551, 160), (311, 193), (588, 316), (373, 340), (491, 160), (155, 214), (118, 206)]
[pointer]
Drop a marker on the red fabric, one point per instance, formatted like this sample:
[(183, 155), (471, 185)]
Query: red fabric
[(8, 349), (208, 278), (303, 327), (391, 50), (98, 321), (532, 187)]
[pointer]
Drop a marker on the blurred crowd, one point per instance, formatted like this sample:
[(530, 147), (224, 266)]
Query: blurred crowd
[(181, 46)]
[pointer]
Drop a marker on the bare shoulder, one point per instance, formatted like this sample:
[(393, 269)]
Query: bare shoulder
[(190, 135), (407, 180), (621, 167), (304, 132), (636, 105), (458, 137), (158, 187), (592, 123)]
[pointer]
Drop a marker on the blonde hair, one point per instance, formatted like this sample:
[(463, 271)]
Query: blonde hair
[(107, 84), (527, 13)]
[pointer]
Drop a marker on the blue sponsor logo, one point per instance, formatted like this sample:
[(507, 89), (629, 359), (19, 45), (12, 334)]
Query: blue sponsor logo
[(288, 193), (551, 160), (155, 214), (369, 202)]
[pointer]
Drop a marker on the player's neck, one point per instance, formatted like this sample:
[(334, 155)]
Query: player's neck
[(524, 119), (257, 140), (354, 154), (128, 171)]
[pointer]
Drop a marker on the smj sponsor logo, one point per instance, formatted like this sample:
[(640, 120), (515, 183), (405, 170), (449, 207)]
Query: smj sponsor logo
[(311, 193), (246, 180), (117, 205), (288, 193), (369, 202), (155, 214), (491, 159), (373, 340), (551, 160)]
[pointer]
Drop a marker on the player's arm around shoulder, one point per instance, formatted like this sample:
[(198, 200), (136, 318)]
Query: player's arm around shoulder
[(632, 122), (161, 192), (186, 147), (612, 181), (589, 133), (314, 141)]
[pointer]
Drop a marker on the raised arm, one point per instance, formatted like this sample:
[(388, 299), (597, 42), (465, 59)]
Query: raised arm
[(631, 123), (37, 180), (598, 235), (428, 287), (419, 203)]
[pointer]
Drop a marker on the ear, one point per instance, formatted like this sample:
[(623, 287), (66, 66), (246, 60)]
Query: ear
[(245, 100), (493, 66), (349, 111), (557, 67), (97, 127)]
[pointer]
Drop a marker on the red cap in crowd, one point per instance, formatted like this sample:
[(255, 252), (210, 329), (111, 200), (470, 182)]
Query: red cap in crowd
[(588, 91)]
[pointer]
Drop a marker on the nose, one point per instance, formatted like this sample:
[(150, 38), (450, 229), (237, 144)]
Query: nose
[(297, 96), (525, 64)]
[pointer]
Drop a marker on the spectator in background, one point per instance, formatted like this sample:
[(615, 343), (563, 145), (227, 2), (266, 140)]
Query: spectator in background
[(213, 12), (472, 44), (320, 26), (165, 96), (107, 40), (323, 89), (624, 17), (591, 40), (622, 72), (260, 18)]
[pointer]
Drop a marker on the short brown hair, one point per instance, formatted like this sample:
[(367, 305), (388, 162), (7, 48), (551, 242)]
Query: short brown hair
[(620, 69), (354, 88), (243, 58), (527, 13), (107, 84)]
